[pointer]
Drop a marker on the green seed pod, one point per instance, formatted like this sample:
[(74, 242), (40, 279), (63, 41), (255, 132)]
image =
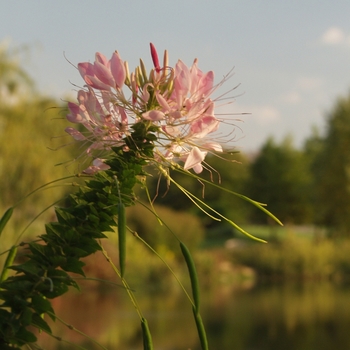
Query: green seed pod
[(201, 330), (5, 218), (122, 237), (193, 275), (146, 334), (9, 260)]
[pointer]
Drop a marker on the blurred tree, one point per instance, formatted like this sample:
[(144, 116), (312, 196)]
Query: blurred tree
[(15, 83), (332, 171), (280, 177), (28, 127)]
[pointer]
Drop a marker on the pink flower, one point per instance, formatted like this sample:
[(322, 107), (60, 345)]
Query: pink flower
[(105, 122), (103, 74), (177, 104)]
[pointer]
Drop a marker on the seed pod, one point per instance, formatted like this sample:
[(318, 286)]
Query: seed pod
[(201, 330), (193, 275), (146, 334)]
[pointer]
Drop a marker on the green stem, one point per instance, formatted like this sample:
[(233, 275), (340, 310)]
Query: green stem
[(128, 289)]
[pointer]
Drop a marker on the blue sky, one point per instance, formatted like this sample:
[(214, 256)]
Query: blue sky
[(291, 58)]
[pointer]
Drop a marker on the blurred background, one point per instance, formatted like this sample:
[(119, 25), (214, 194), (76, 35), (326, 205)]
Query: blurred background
[(291, 113)]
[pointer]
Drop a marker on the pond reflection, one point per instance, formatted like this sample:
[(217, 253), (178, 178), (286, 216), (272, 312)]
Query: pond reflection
[(309, 316)]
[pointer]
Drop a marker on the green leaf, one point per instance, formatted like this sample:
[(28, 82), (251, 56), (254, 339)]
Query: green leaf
[(74, 265), (5, 218), (23, 336), (30, 267), (41, 323), (26, 317), (40, 304)]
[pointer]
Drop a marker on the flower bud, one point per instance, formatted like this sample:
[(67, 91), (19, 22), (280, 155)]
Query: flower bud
[(155, 58), (143, 70)]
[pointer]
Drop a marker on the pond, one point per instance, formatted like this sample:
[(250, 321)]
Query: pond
[(310, 316)]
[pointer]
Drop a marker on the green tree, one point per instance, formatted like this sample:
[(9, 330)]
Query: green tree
[(332, 171), (281, 178)]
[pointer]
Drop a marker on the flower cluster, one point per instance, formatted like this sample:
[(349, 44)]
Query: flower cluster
[(176, 101)]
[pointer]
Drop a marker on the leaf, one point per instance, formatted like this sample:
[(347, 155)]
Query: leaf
[(5, 218), (41, 323), (9, 260), (23, 336), (26, 317), (74, 265), (30, 267), (40, 304)]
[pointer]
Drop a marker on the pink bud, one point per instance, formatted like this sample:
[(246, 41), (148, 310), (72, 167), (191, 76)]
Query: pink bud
[(155, 58)]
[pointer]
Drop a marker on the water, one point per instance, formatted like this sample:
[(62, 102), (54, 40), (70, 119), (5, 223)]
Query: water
[(311, 316)]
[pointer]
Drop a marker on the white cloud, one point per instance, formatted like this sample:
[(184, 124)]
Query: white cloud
[(335, 36)]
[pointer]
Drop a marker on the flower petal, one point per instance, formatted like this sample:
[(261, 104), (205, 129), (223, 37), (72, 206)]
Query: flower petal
[(194, 158), (118, 70), (153, 115)]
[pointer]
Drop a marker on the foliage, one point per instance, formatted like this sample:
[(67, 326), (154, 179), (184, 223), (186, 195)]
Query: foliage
[(297, 258), (280, 177), (331, 169)]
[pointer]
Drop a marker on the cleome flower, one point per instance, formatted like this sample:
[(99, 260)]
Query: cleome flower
[(176, 102)]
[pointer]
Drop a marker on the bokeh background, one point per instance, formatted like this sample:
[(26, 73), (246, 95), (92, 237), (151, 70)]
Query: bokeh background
[(291, 109)]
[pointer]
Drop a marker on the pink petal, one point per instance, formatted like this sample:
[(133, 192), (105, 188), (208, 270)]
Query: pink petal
[(77, 135), (171, 130), (153, 115), (86, 68), (118, 70), (101, 58), (96, 83), (205, 85), (103, 74), (74, 116), (195, 157), (182, 82), (203, 126), (162, 102)]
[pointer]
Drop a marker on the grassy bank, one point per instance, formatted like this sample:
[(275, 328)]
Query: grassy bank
[(296, 256)]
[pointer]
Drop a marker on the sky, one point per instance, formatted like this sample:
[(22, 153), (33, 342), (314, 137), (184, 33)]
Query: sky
[(290, 59)]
